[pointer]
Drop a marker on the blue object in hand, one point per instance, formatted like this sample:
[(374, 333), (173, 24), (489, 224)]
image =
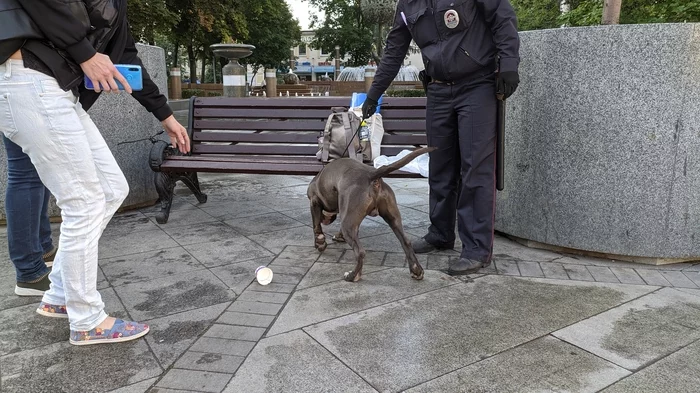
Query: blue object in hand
[(131, 72)]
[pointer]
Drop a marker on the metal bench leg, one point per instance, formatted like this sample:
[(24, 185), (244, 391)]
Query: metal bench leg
[(165, 186), (191, 181)]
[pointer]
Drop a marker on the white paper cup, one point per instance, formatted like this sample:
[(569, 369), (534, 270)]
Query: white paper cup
[(263, 275)]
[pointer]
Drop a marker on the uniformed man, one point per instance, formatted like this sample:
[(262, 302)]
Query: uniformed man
[(470, 49)]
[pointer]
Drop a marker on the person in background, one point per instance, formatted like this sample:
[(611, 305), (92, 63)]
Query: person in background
[(43, 104), (470, 51)]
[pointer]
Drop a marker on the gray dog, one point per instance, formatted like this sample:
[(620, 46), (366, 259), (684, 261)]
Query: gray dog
[(354, 190)]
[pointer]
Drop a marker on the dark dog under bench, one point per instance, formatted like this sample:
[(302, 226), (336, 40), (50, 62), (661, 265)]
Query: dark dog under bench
[(273, 136)]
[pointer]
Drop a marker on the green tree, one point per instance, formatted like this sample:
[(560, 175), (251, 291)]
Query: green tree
[(149, 18), (588, 12), (273, 30), (345, 26), (536, 14)]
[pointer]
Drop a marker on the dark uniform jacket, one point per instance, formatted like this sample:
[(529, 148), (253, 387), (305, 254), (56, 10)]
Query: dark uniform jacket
[(75, 31), (457, 38)]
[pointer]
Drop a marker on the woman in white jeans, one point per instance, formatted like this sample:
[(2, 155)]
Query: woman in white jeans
[(76, 165)]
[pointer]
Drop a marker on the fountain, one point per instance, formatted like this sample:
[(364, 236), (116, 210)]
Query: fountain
[(357, 74), (234, 73)]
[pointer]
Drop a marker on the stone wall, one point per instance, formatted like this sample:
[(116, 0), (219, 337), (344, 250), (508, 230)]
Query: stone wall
[(121, 118), (603, 141)]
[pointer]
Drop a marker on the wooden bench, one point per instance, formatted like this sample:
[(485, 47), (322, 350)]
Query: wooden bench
[(269, 136)]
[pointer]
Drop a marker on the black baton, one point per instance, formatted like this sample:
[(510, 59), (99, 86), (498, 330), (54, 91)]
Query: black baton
[(500, 137)]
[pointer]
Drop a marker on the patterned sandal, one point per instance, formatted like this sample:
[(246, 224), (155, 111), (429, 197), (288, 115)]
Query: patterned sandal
[(120, 332), (53, 311)]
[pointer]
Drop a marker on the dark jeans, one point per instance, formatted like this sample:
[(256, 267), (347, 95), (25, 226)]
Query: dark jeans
[(26, 209), (461, 123)]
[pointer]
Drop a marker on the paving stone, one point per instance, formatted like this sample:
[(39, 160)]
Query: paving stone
[(509, 268), (225, 252), (693, 276), (545, 364), (134, 243), (243, 333), (174, 294), (223, 346), (201, 381), (627, 275), (273, 287), (24, 329), (293, 279), (530, 269), (508, 249), (496, 320), (386, 242), (578, 273), (678, 279), (398, 259), (62, 367), (410, 218), (201, 232), (264, 297), (653, 277), (676, 373), (323, 273), (229, 210), (139, 387), (255, 307), (8, 299), (438, 262), (180, 218), (238, 276), (265, 223), (245, 319), (315, 304), (330, 255), (371, 257), (291, 262), (148, 265), (214, 362), (639, 332), (554, 270), (602, 274), (126, 223), (307, 253), (278, 240), (293, 362), (172, 335)]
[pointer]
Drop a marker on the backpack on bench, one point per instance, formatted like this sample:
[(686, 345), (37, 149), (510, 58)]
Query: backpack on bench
[(338, 134)]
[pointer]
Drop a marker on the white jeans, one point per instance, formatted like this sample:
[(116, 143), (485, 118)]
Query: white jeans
[(76, 165)]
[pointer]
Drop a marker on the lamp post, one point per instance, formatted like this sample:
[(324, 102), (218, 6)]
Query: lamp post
[(337, 61)]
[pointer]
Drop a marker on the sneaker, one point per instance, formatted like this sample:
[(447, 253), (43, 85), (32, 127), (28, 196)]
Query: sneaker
[(49, 256), (36, 288), (52, 311), (422, 246), (120, 332)]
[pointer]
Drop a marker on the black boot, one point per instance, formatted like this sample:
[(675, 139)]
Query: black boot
[(422, 246), (464, 266)]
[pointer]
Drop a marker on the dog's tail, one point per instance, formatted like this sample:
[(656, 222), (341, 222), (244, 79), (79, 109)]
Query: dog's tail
[(387, 169)]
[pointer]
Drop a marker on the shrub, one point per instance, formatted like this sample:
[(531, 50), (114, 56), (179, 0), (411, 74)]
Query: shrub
[(187, 93), (214, 94), (406, 93)]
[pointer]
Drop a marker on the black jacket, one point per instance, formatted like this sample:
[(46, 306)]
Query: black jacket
[(75, 31), (457, 38)]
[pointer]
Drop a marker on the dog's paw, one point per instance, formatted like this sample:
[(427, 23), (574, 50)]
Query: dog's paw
[(320, 243), (417, 273), (351, 276), (338, 237)]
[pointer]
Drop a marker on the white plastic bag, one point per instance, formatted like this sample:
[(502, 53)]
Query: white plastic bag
[(417, 165)]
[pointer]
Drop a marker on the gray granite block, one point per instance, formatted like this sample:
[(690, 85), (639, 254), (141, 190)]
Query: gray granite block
[(530, 269), (174, 294), (62, 367), (678, 279), (214, 362), (694, 277), (315, 304), (293, 362), (245, 319), (602, 274), (545, 364), (172, 335), (224, 252), (614, 167), (367, 341), (264, 297), (201, 381), (255, 307), (243, 333), (148, 265), (223, 346), (554, 270), (509, 268), (677, 373), (627, 276), (640, 332)]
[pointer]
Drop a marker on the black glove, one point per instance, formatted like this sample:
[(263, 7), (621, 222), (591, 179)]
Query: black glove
[(369, 107), (507, 83)]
